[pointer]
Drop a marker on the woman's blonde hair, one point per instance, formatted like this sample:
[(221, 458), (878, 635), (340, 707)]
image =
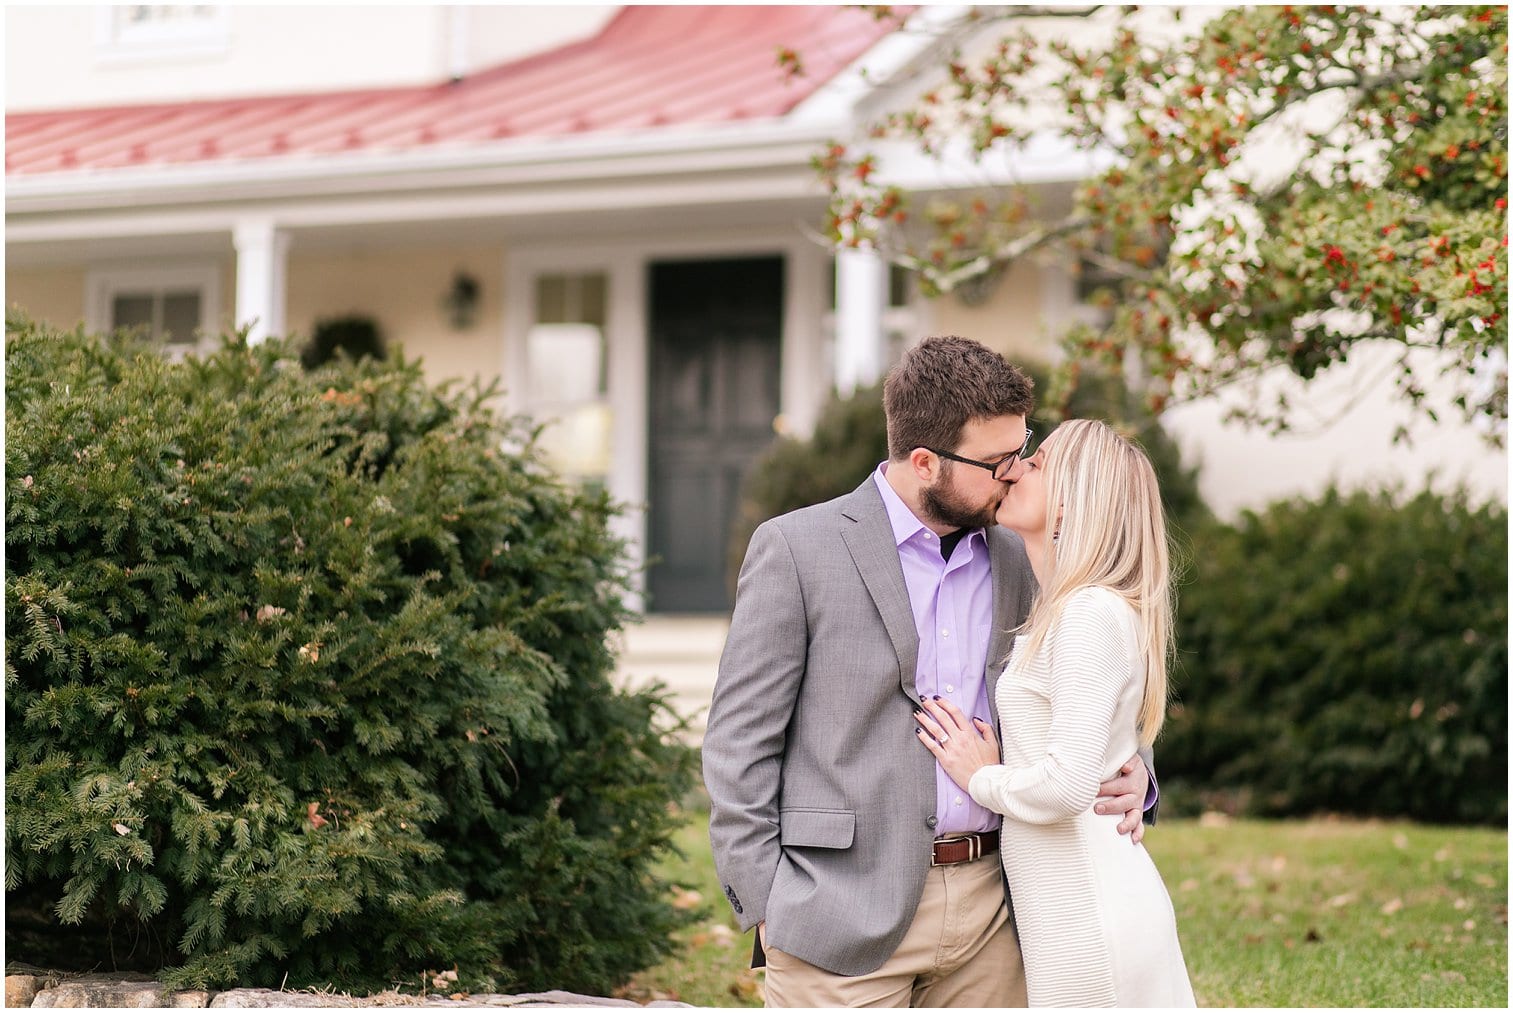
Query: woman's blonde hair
[(1104, 505)]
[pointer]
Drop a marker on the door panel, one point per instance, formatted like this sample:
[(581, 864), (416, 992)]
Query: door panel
[(716, 333)]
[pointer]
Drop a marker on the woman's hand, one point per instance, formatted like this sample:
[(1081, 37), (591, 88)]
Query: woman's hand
[(962, 745)]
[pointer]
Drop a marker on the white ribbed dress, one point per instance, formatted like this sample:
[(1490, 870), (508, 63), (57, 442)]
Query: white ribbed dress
[(1095, 921)]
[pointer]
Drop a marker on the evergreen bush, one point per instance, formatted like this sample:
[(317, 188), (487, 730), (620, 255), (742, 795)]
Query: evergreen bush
[(307, 682), (851, 437), (1348, 655)]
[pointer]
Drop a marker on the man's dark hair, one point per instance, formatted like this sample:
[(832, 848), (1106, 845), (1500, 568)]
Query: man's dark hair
[(943, 383)]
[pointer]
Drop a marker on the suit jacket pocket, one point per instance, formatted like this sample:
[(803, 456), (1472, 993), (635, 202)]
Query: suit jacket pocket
[(816, 828)]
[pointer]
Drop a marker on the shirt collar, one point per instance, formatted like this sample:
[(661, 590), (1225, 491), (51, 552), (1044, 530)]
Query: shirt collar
[(905, 524), (903, 520)]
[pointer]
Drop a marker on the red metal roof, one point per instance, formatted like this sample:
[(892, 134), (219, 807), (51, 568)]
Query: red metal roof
[(650, 67)]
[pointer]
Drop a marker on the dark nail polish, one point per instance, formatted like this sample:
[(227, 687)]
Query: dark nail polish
[(937, 696)]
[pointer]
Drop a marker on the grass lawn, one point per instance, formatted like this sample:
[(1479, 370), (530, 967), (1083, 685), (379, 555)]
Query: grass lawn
[(1285, 913)]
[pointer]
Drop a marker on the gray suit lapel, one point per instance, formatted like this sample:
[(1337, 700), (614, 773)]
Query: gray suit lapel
[(1005, 563), (869, 538)]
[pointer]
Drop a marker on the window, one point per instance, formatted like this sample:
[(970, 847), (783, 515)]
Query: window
[(567, 372), (176, 306), (154, 31)]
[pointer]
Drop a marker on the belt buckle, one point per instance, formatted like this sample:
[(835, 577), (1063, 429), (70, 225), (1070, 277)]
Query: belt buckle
[(974, 849)]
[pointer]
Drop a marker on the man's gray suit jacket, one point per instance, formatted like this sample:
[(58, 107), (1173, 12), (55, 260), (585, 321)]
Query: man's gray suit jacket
[(822, 798)]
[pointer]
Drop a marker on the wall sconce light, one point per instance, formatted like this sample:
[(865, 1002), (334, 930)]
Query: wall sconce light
[(461, 301)]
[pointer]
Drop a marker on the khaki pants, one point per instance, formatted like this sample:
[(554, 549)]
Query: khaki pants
[(960, 950)]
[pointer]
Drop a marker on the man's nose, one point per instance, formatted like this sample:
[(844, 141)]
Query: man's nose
[(1016, 471)]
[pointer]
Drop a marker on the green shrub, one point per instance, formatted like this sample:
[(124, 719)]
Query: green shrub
[(1346, 655), (851, 437), (307, 675)]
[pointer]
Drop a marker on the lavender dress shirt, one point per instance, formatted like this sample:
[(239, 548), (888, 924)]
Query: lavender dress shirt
[(953, 614)]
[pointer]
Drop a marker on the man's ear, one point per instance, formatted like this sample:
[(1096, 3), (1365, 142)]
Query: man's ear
[(924, 464)]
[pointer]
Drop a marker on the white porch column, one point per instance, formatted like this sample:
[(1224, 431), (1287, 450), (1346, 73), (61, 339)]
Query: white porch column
[(861, 295), (262, 257)]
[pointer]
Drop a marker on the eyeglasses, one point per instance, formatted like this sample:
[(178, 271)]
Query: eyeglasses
[(1001, 467)]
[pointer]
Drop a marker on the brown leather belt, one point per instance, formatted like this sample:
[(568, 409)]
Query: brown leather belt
[(966, 848)]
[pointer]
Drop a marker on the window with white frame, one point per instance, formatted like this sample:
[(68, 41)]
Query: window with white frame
[(567, 372), (154, 31), (176, 306)]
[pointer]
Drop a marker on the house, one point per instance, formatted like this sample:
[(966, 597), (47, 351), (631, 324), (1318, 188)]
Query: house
[(610, 209)]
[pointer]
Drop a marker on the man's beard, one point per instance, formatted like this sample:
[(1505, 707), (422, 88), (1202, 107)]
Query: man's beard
[(946, 507)]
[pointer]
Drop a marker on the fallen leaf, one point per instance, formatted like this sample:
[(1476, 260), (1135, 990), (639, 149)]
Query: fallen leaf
[(685, 900), (1341, 899), (1213, 819), (1469, 924), (744, 987), (26, 483), (267, 612), (1461, 903), (1188, 885), (1400, 841), (318, 821), (1452, 976), (1393, 906), (121, 828)]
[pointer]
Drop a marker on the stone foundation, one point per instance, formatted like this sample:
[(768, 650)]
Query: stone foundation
[(42, 989)]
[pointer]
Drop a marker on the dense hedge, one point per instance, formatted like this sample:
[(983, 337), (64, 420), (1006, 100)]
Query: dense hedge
[(306, 675), (1347, 655), (851, 437)]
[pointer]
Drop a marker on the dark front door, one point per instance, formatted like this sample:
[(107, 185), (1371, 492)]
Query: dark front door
[(716, 327)]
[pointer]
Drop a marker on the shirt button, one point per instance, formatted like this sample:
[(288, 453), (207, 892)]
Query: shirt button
[(931, 821), (945, 633), (928, 536), (958, 801), (950, 689)]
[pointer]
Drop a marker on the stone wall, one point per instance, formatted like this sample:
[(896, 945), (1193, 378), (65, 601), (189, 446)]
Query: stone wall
[(38, 988)]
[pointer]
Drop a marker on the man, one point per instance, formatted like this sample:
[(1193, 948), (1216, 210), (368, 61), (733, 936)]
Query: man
[(871, 878)]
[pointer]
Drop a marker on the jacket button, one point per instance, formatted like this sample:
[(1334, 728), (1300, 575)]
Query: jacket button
[(930, 822)]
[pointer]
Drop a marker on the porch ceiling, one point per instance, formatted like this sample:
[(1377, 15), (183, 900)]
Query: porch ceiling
[(95, 238)]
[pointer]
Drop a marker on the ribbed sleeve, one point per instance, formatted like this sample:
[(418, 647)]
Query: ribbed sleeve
[(1089, 659)]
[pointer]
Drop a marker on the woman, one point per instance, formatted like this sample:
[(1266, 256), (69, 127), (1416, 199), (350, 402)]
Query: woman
[(1086, 679)]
